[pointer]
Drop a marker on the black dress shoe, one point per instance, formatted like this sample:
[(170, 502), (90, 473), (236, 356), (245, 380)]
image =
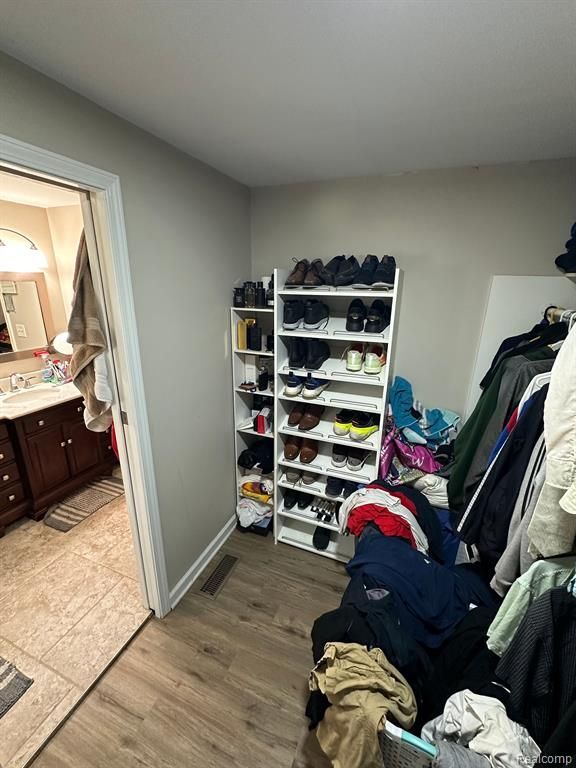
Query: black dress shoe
[(293, 315), (366, 275), (296, 278), (348, 272), (316, 315), (290, 499), (296, 353), (304, 500), (378, 317), (356, 316), (385, 274), (317, 352), (331, 269)]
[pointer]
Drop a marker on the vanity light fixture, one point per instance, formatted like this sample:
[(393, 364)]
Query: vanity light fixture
[(20, 257)]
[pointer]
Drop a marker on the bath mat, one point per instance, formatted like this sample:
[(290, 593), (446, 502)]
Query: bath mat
[(83, 503), (13, 685)]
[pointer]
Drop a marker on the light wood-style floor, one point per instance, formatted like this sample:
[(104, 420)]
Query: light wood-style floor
[(217, 683)]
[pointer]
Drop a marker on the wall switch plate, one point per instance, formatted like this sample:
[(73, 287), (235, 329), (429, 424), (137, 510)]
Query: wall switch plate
[(21, 330)]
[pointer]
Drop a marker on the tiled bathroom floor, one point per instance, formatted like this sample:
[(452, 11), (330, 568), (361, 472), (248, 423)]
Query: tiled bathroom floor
[(69, 602)]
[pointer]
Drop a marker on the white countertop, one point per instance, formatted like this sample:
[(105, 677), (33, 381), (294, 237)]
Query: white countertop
[(47, 396)]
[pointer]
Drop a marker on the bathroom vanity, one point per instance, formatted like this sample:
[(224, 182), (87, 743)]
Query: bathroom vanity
[(46, 451)]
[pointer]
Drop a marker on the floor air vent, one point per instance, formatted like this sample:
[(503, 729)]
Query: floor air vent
[(218, 577)]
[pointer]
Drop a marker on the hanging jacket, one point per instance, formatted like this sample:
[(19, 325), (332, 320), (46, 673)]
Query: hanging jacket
[(552, 530), (487, 521)]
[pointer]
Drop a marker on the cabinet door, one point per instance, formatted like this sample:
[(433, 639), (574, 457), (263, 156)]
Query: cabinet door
[(82, 447), (48, 459)]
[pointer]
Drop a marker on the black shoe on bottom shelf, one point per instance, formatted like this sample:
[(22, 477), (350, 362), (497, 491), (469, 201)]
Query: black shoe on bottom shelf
[(321, 538)]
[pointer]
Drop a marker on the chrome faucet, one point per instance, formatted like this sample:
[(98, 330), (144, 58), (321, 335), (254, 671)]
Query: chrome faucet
[(17, 381)]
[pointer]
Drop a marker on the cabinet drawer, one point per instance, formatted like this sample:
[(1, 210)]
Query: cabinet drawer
[(9, 474), (6, 453), (4, 431), (35, 422), (11, 496)]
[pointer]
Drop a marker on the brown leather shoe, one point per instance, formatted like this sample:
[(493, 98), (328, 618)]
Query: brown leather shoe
[(311, 418), (309, 450), (313, 278), (292, 447), (296, 414), (296, 278)]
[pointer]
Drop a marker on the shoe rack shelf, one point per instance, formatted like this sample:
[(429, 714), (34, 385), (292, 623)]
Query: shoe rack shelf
[(351, 390), (324, 432), (243, 362)]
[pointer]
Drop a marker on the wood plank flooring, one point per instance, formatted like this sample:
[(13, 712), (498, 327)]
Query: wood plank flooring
[(217, 683)]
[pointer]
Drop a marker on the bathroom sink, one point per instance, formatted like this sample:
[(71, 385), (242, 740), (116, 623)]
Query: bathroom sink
[(39, 393)]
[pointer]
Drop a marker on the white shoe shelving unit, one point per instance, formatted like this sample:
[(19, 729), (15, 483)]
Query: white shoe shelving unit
[(245, 364), (348, 390)]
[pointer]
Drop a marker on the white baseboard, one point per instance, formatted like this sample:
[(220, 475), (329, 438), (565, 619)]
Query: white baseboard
[(178, 592)]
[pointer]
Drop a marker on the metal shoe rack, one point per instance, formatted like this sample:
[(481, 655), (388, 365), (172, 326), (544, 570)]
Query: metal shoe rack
[(353, 391)]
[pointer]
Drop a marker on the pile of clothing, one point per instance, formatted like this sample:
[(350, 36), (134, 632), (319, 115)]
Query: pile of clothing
[(416, 443), (566, 262), (256, 489)]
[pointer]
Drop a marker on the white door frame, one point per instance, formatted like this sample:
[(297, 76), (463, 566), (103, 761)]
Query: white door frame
[(136, 451)]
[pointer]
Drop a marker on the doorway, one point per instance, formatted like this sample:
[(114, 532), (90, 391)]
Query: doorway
[(101, 211)]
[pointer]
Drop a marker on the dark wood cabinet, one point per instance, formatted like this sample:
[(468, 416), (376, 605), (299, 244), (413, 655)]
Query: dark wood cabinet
[(47, 460), (46, 455), (82, 447)]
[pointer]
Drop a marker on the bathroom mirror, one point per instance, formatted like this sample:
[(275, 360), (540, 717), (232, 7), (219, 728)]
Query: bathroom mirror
[(25, 315)]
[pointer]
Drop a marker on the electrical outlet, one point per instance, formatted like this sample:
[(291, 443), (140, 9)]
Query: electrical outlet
[(21, 330)]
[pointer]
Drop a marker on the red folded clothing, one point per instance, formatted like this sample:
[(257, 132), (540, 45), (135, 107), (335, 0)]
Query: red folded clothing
[(388, 523)]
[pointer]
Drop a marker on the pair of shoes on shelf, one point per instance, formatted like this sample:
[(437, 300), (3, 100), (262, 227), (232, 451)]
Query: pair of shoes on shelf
[(376, 275), (296, 476), (352, 458), (356, 424), (312, 314), (305, 417), (307, 353), (302, 447), (309, 387), (299, 498), (341, 271), (335, 486), (305, 274), (372, 358), (373, 320)]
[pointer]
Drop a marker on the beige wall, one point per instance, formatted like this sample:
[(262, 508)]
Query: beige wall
[(449, 231), (188, 231), (66, 226), (32, 221)]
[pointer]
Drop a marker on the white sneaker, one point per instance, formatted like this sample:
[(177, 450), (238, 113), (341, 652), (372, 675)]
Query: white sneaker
[(375, 359), (354, 357)]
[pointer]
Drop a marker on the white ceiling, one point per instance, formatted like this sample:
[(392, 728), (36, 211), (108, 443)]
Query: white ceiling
[(273, 91), (17, 189)]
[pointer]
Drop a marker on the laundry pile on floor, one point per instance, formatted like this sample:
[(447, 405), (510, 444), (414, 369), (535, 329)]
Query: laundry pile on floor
[(468, 663), (256, 491)]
